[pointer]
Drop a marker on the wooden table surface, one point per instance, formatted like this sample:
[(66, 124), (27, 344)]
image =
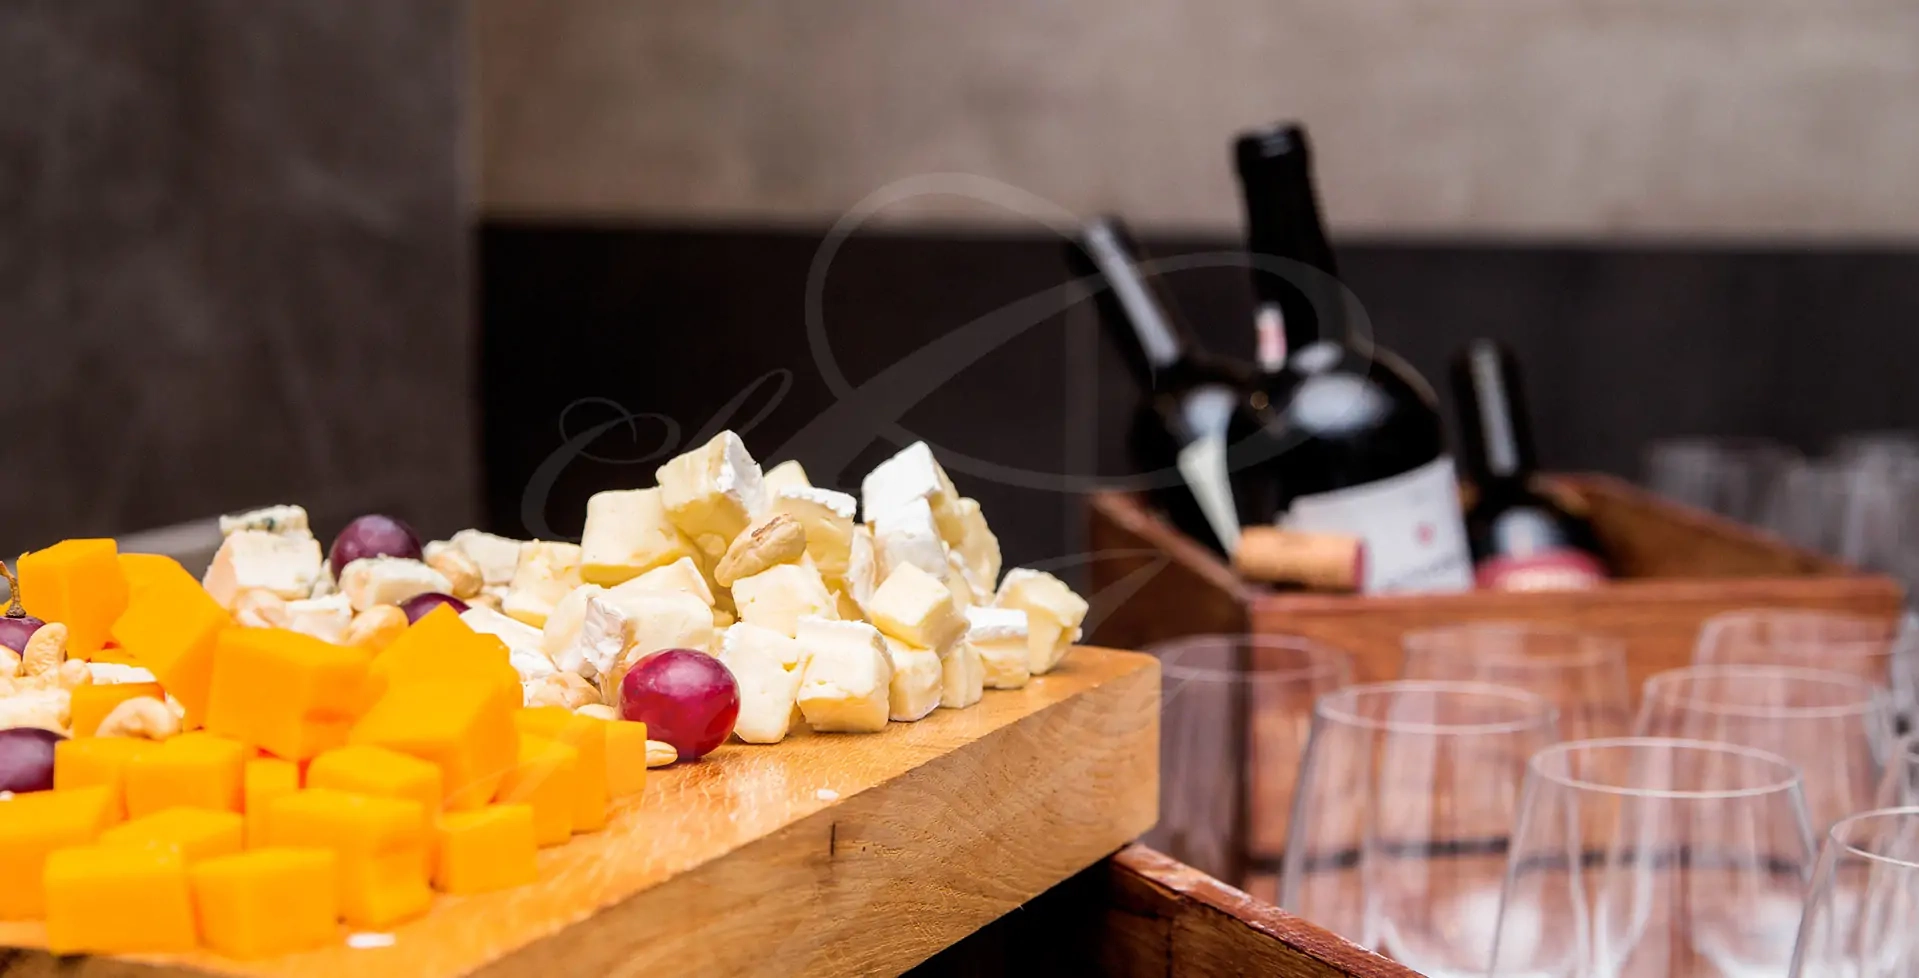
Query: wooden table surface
[(822, 855)]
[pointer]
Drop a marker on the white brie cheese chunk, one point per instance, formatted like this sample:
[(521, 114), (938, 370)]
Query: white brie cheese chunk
[(547, 571), (285, 564), (388, 580), (916, 607), (269, 519), (862, 568), (906, 534), (597, 644), (515, 633), (827, 518), (531, 663), (680, 575), (661, 620), (769, 688), (786, 475), (978, 549), (323, 618), (114, 673), (999, 636), (779, 596), (962, 677), (1053, 614), (915, 689), (562, 626), (960, 580), (909, 475), (846, 683), (712, 492), (627, 534), (497, 556)]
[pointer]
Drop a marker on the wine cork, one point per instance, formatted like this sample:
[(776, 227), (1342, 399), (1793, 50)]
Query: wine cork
[(1321, 561)]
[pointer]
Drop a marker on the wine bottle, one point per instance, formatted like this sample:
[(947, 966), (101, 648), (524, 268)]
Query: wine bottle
[(1193, 404), (1352, 435), (1521, 539)]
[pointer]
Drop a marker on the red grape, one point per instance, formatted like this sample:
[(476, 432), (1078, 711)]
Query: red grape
[(14, 632), (372, 536), (685, 698), (416, 607), (26, 759)]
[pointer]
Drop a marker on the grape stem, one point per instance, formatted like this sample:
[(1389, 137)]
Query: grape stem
[(16, 609)]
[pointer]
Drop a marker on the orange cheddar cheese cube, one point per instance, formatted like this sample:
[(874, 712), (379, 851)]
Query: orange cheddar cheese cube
[(115, 899), (89, 762), (197, 833), (464, 726), (546, 779), (368, 770), (586, 735), (195, 770), (113, 653), (625, 757), (171, 631), (439, 647), (265, 779), (91, 703), (489, 848), (79, 583), (144, 571), (35, 824), (268, 901), (381, 844), (290, 694)]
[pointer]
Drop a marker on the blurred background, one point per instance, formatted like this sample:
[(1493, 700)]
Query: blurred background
[(394, 254)]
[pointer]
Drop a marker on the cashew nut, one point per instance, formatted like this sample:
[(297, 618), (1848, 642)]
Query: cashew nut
[(48, 709), (659, 753), (45, 650), (376, 627), (721, 619), (489, 598), (9, 663), (598, 711), (461, 572), (260, 608), (567, 689), (142, 716), (73, 673), (774, 539)]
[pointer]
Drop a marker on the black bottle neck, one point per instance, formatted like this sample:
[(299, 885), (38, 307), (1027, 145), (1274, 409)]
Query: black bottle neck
[(1494, 429), (1152, 339), (1283, 222)]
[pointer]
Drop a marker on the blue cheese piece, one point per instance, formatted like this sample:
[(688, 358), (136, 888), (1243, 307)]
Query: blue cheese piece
[(268, 519), (285, 564)]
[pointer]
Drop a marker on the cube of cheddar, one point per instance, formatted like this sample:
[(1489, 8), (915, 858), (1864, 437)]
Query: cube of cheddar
[(625, 758), (35, 824), (197, 770), (196, 833), (118, 899), (586, 735), (79, 583), (144, 571), (171, 631), (368, 770), (88, 762), (288, 693), (465, 726), (268, 901), (265, 779), (546, 779), (381, 845), (489, 848), (439, 647), (91, 703)]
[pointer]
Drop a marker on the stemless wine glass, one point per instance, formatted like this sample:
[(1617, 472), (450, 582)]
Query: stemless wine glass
[(1582, 674), (1235, 712), (1728, 476), (1861, 918), (1403, 814), (1865, 646), (1654, 858), (1899, 786), (1837, 727)]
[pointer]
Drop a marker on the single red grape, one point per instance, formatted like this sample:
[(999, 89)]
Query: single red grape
[(416, 607), (26, 759), (372, 535), (685, 698), (14, 632)]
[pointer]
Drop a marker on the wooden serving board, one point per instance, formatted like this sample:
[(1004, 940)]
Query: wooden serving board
[(822, 855)]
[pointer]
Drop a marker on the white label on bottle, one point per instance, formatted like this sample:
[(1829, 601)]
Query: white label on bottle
[(1411, 525)]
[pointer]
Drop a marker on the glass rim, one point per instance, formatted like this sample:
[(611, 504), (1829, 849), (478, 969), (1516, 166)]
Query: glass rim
[(1323, 661), (1591, 648), (1860, 818), (1885, 646), (1875, 699), (1792, 778), (1546, 716)]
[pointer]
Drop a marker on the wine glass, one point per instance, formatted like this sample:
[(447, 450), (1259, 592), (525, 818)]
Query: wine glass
[(1728, 476), (1654, 858), (1861, 918), (1837, 727), (1403, 814), (1869, 647), (1582, 674), (1234, 715)]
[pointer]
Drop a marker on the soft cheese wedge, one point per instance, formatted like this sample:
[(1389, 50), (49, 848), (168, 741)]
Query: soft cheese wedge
[(962, 677), (786, 475), (917, 676), (712, 492), (291, 520), (846, 684), (323, 618), (909, 475), (779, 596), (627, 534), (388, 580), (547, 571), (758, 659), (681, 575), (917, 608), (286, 564), (907, 534), (496, 556), (999, 637), (827, 517), (1053, 614), (977, 549)]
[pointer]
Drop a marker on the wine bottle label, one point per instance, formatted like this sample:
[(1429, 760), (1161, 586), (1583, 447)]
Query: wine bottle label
[(1561, 569), (1411, 525)]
